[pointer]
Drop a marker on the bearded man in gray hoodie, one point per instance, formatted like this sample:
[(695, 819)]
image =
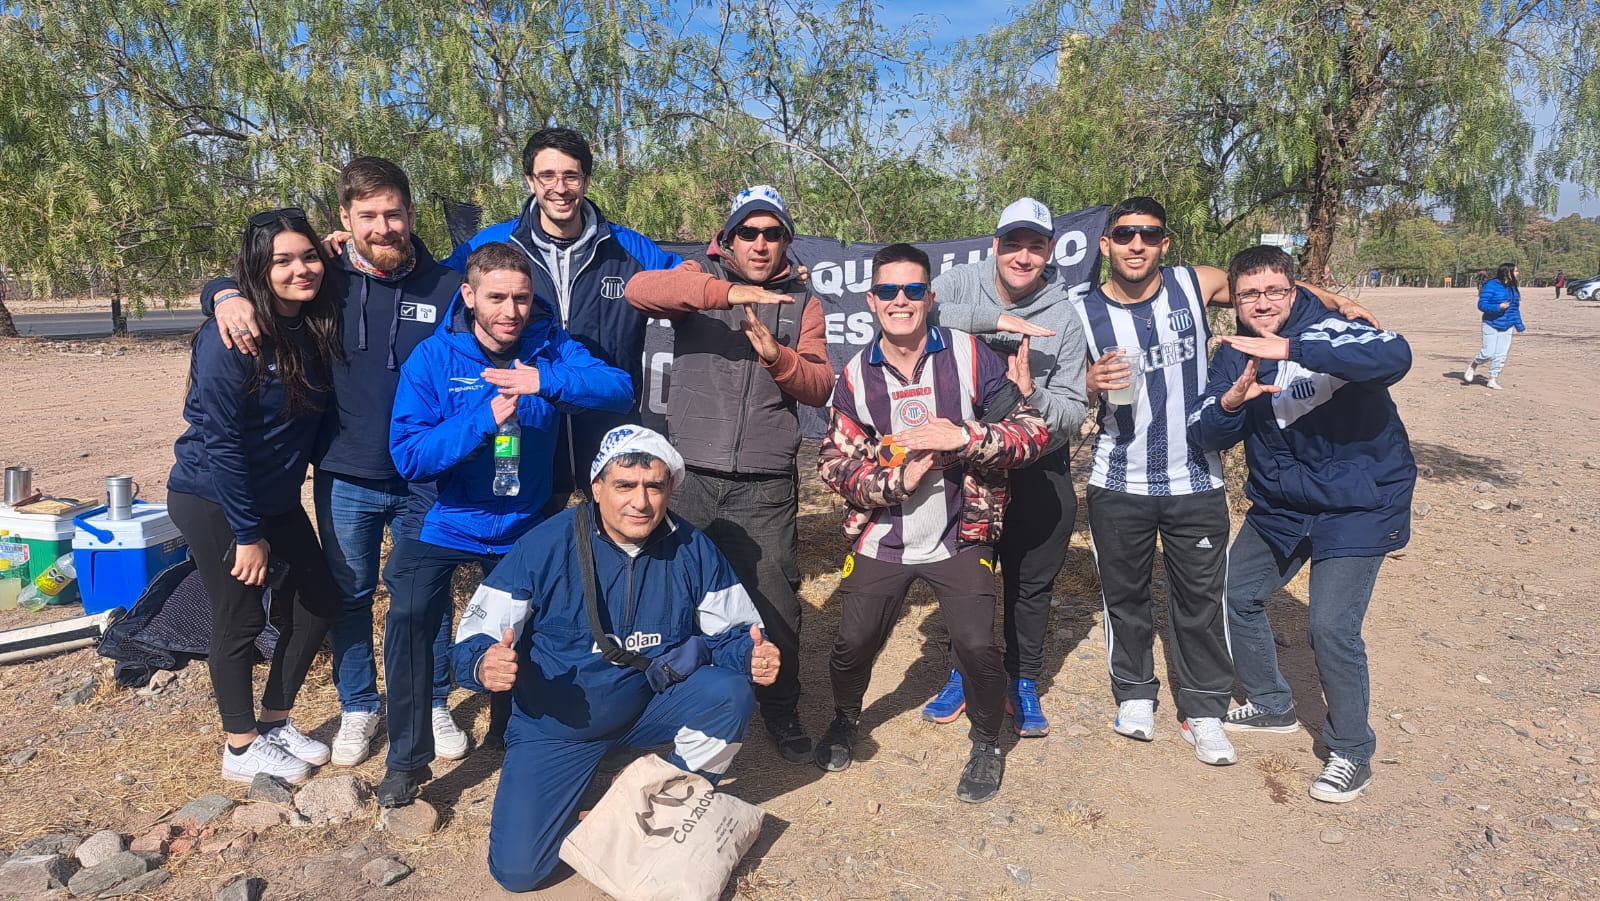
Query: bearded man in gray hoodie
[(1019, 291)]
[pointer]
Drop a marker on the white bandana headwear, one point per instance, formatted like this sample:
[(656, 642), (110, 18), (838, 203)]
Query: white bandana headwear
[(627, 439)]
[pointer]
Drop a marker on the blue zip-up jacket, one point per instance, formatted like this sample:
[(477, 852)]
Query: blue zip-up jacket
[(1329, 458), (1491, 296), (678, 586), (443, 428), (584, 285), (239, 451), (383, 320)]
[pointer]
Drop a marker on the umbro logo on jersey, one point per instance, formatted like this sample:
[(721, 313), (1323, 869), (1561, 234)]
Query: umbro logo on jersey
[(1204, 542), (1180, 321)]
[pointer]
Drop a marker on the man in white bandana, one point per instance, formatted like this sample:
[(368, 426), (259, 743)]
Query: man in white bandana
[(677, 647)]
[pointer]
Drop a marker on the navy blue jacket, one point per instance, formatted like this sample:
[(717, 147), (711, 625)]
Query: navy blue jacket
[(443, 428), (678, 586), (382, 321), (1490, 297), (590, 306), (1329, 459), (240, 451)]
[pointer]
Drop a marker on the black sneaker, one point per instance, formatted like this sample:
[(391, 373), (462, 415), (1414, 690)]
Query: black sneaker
[(833, 749), (793, 743), (1251, 718), (1342, 780), (980, 778), (401, 787)]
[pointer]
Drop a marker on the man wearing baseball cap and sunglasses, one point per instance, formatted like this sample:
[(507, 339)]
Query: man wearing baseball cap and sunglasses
[(1146, 331), (1019, 290), (749, 346)]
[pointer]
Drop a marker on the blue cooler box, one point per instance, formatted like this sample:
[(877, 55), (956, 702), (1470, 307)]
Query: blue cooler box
[(118, 559)]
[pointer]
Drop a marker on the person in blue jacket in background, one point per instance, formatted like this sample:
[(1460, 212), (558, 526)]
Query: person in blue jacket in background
[(581, 263), (1331, 477), (663, 591), (498, 354), (1500, 302)]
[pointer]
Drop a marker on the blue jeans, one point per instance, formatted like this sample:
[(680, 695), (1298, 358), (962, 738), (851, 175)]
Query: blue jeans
[(351, 516), (1341, 588), (1496, 344)]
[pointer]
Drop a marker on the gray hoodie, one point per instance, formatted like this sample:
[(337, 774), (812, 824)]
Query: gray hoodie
[(968, 298)]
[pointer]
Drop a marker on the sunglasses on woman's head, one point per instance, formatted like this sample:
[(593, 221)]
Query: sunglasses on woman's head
[(887, 291), (262, 220), (1152, 234)]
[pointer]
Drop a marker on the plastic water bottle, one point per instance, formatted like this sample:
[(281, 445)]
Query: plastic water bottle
[(48, 586), (507, 458)]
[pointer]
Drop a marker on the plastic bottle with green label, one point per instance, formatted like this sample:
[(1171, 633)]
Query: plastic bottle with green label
[(507, 458)]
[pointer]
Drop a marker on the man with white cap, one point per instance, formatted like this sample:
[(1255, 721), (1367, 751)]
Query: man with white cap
[(1020, 291), (749, 347), (613, 624)]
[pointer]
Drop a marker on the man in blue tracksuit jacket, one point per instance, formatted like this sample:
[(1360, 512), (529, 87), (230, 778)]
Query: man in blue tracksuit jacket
[(497, 355), (391, 294), (581, 263), (1331, 477), (664, 591)]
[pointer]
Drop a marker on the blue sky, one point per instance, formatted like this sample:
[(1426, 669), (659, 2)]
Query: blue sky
[(955, 19)]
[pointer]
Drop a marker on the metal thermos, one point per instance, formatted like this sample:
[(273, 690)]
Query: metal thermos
[(120, 492), (19, 484)]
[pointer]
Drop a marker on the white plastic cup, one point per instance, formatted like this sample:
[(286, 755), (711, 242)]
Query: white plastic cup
[(1129, 395)]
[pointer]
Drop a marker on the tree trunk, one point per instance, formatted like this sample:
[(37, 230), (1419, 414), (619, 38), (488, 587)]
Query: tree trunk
[(8, 329), (1326, 208)]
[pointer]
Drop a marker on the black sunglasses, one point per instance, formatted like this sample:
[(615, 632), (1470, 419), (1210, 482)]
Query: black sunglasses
[(1152, 234), (887, 291), (773, 233), (262, 220)]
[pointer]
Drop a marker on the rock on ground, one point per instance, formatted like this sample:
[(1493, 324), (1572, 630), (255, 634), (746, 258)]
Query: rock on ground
[(415, 820), (117, 869), (333, 799), (138, 885), (262, 815), (100, 847), (55, 843), (267, 787), (245, 888), (28, 874), (200, 812), (385, 871)]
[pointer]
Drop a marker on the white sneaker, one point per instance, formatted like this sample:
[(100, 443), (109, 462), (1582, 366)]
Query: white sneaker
[(354, 741), (1136, 719), (299, 744), (1494, 384), (1211, 744), (449, 742), (1467, 375), (264, 756)]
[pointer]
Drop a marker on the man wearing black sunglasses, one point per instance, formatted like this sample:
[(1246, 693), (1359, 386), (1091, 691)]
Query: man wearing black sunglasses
[(1146, 331), (925, 424), (1020, 291), (749, 346)]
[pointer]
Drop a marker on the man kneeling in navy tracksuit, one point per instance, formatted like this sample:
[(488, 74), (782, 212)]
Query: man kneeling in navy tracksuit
[(1331, 476), (662, 591)]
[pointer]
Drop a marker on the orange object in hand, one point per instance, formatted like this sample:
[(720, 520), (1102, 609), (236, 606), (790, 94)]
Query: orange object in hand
[(890, 453)]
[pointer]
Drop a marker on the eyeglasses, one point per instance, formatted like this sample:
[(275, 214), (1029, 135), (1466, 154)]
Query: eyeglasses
[(1272, 294), (264, 219), (773, 233), (565, 179), (1152, 234), (914, 291)]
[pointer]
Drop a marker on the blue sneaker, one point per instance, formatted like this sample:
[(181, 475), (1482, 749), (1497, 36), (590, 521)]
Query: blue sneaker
[(1022, 702), (948, 703)]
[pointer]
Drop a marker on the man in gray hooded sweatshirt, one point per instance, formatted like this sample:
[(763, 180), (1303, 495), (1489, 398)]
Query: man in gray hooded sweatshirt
[(1020, 291)]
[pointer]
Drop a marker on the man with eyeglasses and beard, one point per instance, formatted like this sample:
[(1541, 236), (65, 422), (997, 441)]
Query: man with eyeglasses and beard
[(1147, 333), (581, 264), (1331, 479), (749, 346)]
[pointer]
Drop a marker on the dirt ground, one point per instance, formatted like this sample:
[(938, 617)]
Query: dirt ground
[(1482, 637)]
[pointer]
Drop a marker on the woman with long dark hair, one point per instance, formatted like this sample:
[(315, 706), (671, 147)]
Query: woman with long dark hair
[(234, 492), (1501, 304)]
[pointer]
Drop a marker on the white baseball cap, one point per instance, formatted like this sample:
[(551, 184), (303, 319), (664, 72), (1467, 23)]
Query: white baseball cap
[(1026, 213)]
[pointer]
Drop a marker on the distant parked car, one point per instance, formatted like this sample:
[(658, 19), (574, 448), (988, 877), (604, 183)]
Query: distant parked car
[(1585, 289)]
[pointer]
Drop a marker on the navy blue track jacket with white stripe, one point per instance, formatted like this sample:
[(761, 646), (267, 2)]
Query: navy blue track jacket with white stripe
[(1329, 458)]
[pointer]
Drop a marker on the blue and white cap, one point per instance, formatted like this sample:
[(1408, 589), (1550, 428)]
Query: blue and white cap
[(627, 439), (757, 199), (1026, 213)]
